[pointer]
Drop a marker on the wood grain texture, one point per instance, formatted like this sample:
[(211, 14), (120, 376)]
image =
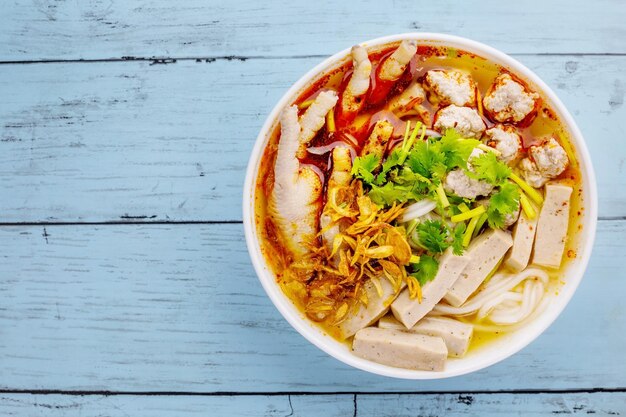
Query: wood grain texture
[(595, 404), (158, 128), (129, 141), (598, 404), (95, 29), (178, 308), (173, 406)]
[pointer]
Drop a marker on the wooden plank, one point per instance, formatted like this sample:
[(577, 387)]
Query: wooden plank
[(50, 29), (178, 308), (597, 404), (448, 405), (116, 141)]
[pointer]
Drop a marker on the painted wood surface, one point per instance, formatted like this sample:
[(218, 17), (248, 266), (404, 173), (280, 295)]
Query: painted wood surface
[(96, 29), (129, 141), (158, 128), (596, 404), (178, 308)]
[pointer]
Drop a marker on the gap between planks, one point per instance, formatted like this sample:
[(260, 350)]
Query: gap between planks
[(306, 393), (154, 60), (181, 222)]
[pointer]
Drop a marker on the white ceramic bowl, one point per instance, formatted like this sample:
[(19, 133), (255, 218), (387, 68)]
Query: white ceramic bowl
[(502, 347)]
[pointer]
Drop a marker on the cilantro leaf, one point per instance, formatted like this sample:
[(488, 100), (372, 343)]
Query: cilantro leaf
[(427, 160), (455, 149), (415, 169), (495, 219), (436, 236), (406, 176), (457, 243), (506, 199), (487, 167), (455, 200), (392, 161), (389, 193), (433, 235), (502, 203), (364, 166), (426, 269), (403, 185)]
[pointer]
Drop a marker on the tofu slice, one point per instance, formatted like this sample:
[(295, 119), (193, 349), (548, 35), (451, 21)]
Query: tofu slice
[(375, 309), (400, 349), (552, 226), (523, 238), (409, 311), (486, 251), (455, 334)]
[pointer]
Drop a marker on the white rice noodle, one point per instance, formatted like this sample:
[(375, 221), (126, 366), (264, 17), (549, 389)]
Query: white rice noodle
[(417, 210), (506, 300), (480, 327)]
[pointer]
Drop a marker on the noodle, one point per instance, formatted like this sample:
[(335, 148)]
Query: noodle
[(503, 300)]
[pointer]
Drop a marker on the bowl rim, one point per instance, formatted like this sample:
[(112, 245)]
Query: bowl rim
[(533, 329)]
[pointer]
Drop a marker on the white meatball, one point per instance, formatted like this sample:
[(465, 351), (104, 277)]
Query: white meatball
[(531, 174), (510, 218), (506, 140), (508, 101), (549, 157), (450, 87), (465, 120), (476, 152), (458, 183)]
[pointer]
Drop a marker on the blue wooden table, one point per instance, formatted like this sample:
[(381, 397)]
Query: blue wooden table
[(125, 285)]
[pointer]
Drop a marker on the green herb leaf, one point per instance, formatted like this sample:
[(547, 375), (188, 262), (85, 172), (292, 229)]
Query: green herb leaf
[(456, 150), (427, 160), (391, 162), (502, 203), (389, 193), (402, 185), (457, 243), (364, 166), (433, 235), (487, 167), (399, 154), (425, 270), (407, 177), (415, 168)]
